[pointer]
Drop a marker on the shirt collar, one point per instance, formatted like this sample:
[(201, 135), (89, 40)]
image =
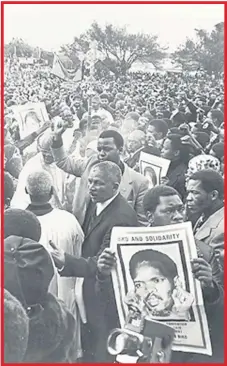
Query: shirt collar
[(100, 206), (40, 210)]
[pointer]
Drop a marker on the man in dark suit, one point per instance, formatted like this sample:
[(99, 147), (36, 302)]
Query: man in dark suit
[(106, 210)]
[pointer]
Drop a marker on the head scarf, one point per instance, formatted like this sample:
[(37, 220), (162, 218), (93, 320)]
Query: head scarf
[(203, 162)]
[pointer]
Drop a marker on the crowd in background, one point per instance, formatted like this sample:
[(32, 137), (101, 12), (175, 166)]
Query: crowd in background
[(70, 182)]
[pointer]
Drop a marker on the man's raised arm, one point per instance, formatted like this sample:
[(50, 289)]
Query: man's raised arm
[(67, 163)]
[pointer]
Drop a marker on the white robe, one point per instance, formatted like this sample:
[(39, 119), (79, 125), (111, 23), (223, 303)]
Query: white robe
[(22, 200), (63, 229)]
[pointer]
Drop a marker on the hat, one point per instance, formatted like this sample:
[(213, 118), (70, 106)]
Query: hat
[(28, 270), (203, 162), (16, 329)]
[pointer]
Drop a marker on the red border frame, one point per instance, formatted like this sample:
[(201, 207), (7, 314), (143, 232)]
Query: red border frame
[(4, 3)]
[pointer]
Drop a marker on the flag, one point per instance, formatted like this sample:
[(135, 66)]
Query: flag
[(59, 70)]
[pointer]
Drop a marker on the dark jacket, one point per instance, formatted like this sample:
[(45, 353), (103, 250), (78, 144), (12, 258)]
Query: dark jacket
[(117, 213), (101, 315), (176, 175)]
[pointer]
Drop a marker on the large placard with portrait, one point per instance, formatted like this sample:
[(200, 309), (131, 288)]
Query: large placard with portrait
[(153, 168), (30, 117), (154, 276)]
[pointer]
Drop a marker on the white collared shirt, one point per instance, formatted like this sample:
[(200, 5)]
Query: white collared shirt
[(100, 206)]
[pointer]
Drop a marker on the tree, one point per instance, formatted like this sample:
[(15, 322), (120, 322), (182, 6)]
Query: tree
[(207, 51), (17, 47), (119, 48)]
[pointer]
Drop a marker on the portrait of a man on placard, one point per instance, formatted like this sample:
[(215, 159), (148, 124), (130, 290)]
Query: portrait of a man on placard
[(158, 291), (150, 174)]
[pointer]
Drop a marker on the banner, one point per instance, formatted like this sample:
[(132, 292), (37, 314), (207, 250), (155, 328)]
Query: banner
[(153, 168), (30, 117), (154, 275), (60, 71)]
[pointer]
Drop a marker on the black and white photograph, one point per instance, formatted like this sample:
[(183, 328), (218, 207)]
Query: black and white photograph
[(113, 147)]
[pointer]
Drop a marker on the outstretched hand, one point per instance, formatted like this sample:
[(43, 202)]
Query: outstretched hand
[(106, 262)]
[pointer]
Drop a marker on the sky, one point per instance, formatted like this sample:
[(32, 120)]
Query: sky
[(50, 26)]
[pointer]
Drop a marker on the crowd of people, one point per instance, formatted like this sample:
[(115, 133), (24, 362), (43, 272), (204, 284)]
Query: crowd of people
[(69, 183)]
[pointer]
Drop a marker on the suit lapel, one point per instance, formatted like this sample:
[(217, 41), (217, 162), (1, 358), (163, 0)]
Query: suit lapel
[(99, 218), (209, 225), (126, 183)]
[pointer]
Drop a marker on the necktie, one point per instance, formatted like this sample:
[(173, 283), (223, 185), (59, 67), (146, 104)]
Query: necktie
[(92, 217)]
